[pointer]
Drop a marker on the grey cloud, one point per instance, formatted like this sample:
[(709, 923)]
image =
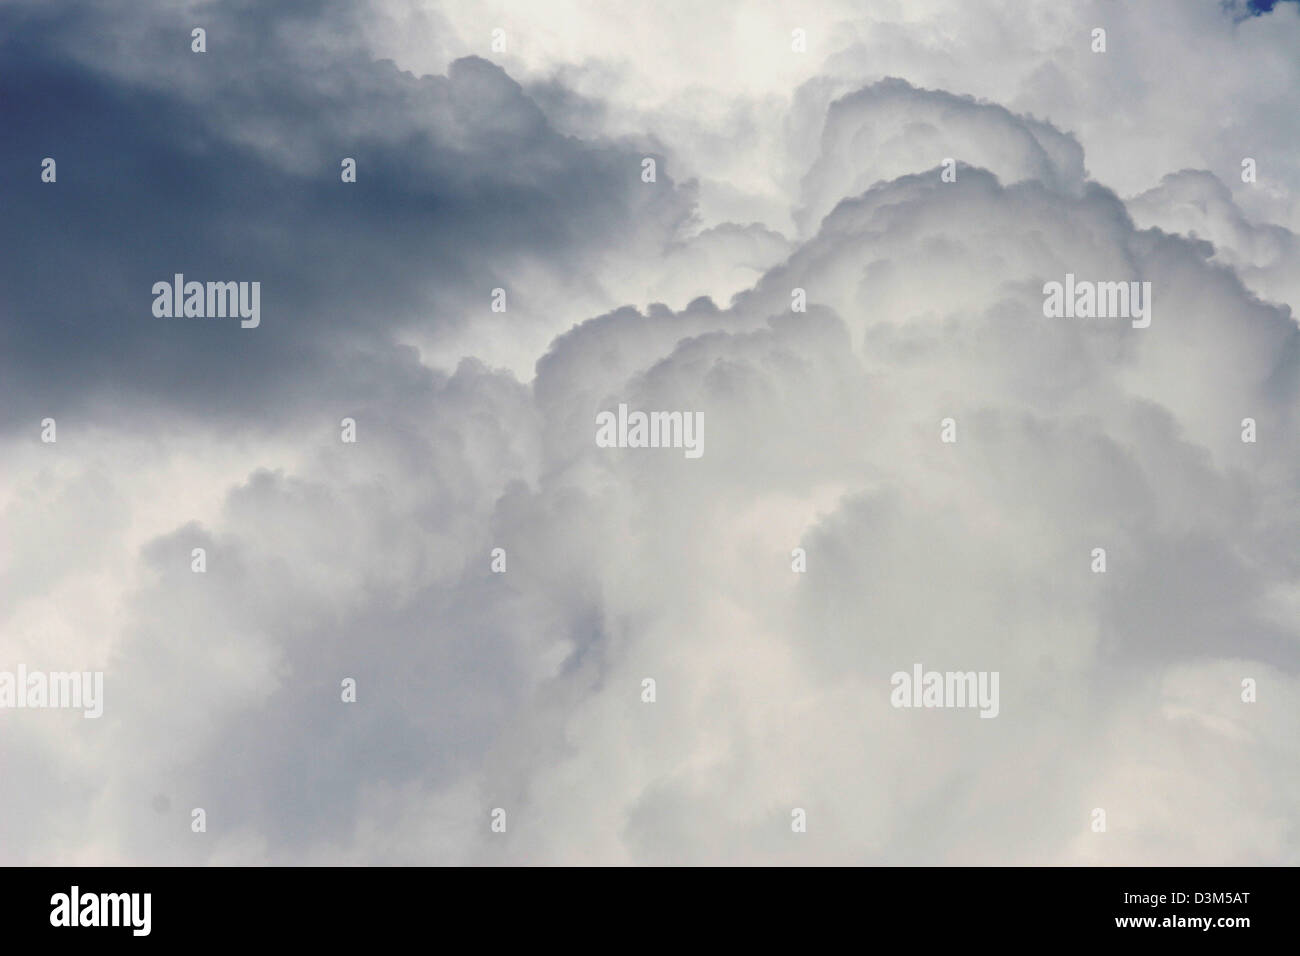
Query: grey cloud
[(522, 690), (225, 166), (891, 128)]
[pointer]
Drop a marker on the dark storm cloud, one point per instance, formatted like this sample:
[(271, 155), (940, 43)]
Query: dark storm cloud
[(225, 166)]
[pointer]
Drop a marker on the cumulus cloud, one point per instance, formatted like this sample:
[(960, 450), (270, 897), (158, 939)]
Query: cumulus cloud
[(475, 430)]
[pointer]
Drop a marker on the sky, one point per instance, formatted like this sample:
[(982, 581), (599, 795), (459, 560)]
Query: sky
[(504, 269)]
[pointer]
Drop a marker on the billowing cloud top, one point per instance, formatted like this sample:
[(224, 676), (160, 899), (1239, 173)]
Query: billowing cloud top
[(840, 265)]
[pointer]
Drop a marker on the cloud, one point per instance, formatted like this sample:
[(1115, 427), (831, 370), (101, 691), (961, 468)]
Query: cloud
[(1191, 202), (226, 165), (890, 129), (523, 690)]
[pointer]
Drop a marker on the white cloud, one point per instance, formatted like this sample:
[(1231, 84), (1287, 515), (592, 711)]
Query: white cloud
[(522, 690)]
